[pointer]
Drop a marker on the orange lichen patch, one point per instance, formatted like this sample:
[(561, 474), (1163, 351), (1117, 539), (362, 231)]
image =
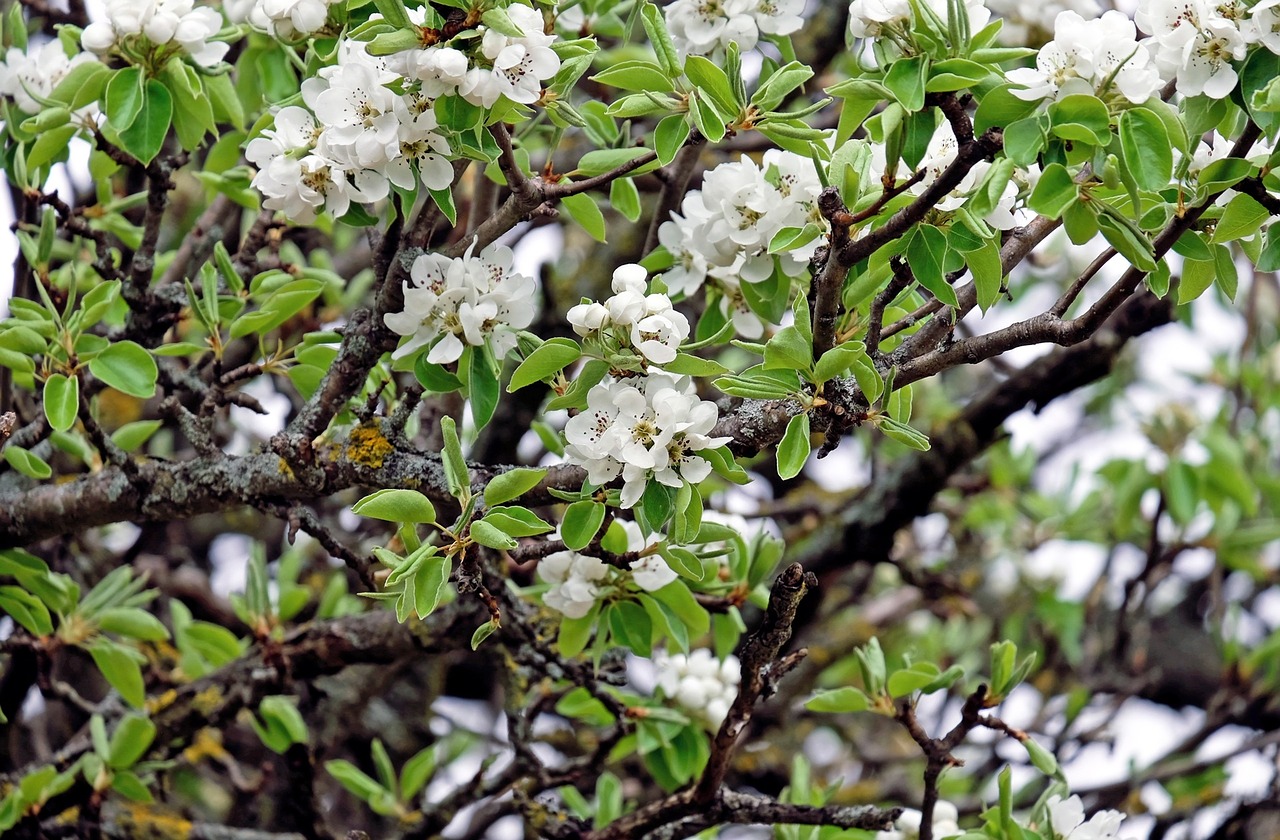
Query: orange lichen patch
[(145, 823), (366, 445)]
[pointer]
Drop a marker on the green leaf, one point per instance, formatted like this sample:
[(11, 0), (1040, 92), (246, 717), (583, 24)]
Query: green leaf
[(124, 97), (429, 582), (780, 84), (906, 79), (517, 521), (683, 562), (1041, 758), (707, 119), (1242, 217), (132, 435), (1054, 192), (582, 208), (133, 622), (512, 484), (551, 357), (788, 350), (1082, 118), (393, 505), (637, 75), (1130, 244), (576, 632), (655, 26), (926, 254), (457, 476), (902, 433), (1148, 151), (483, 387), (839, 359), (669, 137), (908, 680), (121, 670), (581, 522), (988, 273), (26, 462), (130, 741), (434, 378), (1024, 140), (127, 367), (145, 136), (1224, 173), (631, 627), (27, 610), (625, 198), (846, 699), (61, 400), (128, 785), (352, 778), (793, 450), (486, 533), (483, 632), (687, 364), (714, 82)]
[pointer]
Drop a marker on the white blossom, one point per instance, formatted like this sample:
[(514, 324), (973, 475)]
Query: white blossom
[(1085, 55), (893, 18), (707, 27), (469, 300), (723, 230), (159, 23), (36, 71), (517, 67), (704, 686), (1195, 43), (907, 826), (1066, 817), (644, 427), (648, 324), (573, 578)]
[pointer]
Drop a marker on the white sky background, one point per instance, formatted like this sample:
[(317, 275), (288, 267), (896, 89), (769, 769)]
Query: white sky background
[(1142, 731)]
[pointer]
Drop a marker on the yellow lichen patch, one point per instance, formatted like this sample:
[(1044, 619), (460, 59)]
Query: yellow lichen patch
[(206, 744), (285, 469), (207, 702), (367, 446), (161, 701), (146, 823)]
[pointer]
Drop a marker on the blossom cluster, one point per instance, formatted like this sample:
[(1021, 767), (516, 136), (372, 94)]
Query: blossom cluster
[(648, 324), (1088, 56), (707, 27), (369, 122), (643, 427), (499, 65), (1190, 42), (704, 686), (722, 233), (142, 28), (578, 580), (36, 71), (355, 138), (468, 300)]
